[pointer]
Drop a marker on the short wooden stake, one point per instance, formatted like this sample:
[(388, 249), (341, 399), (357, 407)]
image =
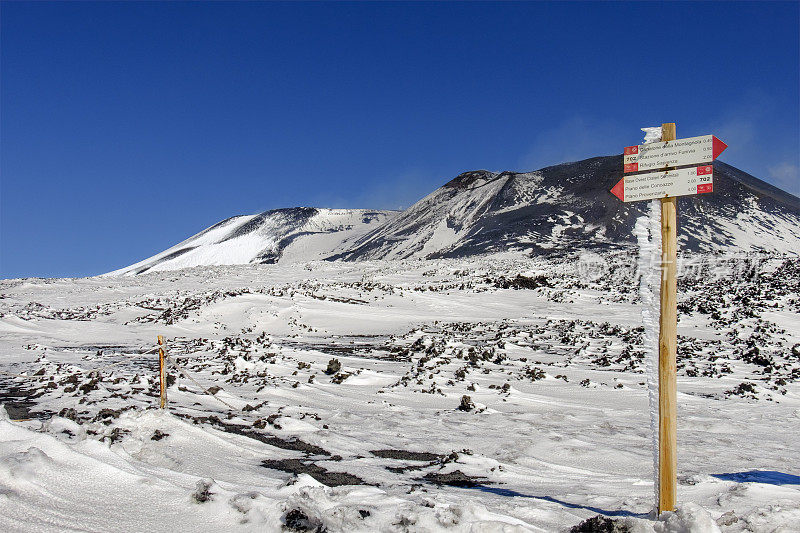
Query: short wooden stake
[(667, 346), (162, 371)]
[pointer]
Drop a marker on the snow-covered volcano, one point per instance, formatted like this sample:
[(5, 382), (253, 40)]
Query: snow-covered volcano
[(559, 208), (280, 235), (568, 206)]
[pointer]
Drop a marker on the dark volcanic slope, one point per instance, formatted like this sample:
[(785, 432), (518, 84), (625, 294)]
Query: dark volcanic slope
[(569, 206)]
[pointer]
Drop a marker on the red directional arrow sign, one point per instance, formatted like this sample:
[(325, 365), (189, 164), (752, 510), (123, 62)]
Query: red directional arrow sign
[(677, 153), (619, 189), (717, 147)]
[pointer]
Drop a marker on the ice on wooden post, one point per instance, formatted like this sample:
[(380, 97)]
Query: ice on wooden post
[(648, 235), (652, 135)]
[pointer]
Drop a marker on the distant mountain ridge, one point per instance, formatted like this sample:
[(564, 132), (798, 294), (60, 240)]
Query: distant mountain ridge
[(562, 207)]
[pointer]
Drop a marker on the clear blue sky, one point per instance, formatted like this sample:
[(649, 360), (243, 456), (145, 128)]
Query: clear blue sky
[(127, 127)]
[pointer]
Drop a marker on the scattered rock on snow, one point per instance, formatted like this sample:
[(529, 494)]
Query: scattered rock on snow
[(466, 404), (333, 367), (105, 414), (727, 519), (297, 520), (456, 478), (69, 413), (203, 493), (601, 524), (324, 476), (158, 435), (404, 455), (745, 390), (522, 282), (115, 435), (340, 377)]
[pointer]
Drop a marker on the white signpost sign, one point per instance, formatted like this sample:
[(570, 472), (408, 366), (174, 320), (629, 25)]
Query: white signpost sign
[(677, 153), (681, 182)]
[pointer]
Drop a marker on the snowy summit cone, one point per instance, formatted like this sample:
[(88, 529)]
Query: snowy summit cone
[(280, 235), (568, 207)]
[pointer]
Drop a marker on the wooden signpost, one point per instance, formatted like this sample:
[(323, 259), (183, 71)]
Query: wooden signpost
[(668, 184), (162, 372)]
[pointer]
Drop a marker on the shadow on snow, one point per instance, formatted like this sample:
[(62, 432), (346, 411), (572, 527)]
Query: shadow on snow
[(513, 493), (770, 477)]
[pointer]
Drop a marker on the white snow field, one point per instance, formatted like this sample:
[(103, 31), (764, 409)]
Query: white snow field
[(499, 393)]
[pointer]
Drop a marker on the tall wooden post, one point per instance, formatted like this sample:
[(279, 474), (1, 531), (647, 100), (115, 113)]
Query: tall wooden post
[(162, 372), (667, 345)]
